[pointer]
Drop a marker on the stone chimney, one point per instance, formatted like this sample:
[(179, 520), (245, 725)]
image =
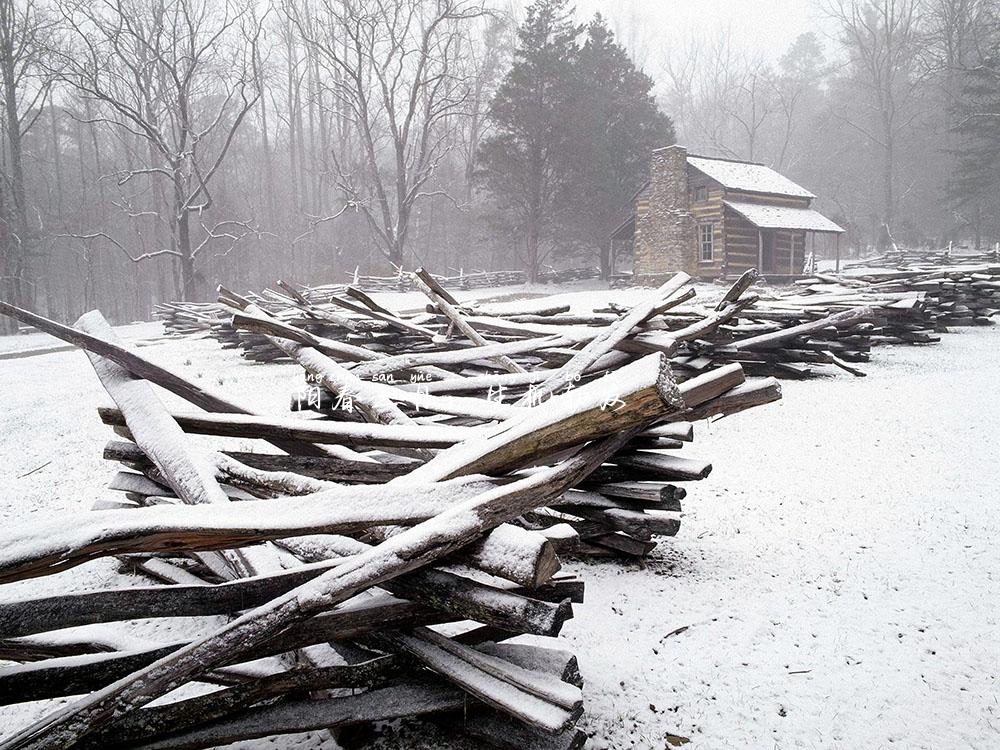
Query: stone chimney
[(665, 239)]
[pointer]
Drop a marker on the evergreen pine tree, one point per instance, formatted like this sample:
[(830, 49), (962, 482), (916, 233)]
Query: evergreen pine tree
[(975, 187), (615, 126), (573, 131), (523, 162)]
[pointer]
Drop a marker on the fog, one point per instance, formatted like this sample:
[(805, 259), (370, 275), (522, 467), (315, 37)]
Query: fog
[(153, 149)]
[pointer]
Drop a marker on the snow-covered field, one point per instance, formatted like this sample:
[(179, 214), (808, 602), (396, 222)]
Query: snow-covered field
[(835, 582)]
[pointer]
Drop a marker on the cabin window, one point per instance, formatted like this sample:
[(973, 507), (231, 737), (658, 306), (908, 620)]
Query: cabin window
[(701, 193), (706, 239)]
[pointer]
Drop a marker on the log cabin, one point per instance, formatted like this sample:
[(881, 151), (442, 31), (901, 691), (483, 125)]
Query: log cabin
[(716, 218)]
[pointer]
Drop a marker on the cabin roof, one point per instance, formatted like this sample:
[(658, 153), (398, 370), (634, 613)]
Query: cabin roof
[(747, 176), (782, 217), (625, 230)]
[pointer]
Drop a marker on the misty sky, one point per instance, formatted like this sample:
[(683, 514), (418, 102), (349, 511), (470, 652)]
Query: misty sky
[(767, 26)]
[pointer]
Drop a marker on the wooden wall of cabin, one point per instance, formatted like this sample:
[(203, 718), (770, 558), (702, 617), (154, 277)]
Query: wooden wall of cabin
[(790, 249), (735, 239), (742, 244), (742, 249), (789, 245), (768, 200), (709, 210)]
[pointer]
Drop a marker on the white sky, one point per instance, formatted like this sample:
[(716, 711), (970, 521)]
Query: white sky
[(650, 26)]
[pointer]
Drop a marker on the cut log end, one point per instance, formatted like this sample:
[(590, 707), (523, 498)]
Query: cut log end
[(666, 385)]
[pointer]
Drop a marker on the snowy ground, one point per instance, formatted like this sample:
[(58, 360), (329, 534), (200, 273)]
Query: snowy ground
[(837, 574)]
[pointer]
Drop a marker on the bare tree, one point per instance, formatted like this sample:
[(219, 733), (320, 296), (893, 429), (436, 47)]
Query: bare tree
[(749, 102), (485, 58), (392, 71), (958, 31), (175, 76), (722, 97), (25, 52), (680, 78), (883, 42), (798, 82)]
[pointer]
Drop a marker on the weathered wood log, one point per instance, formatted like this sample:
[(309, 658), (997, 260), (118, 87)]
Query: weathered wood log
[(607, 339), (440, 298), (293, 716), (72, 675), (327, 468), (316, 431), (339, 380), (375, 311), (455, 356), (539, 700), (155, 432), (617, 544), (316, 312), (705, 326), (43, 548), (518, 555), (166, 722), (642, 525), (660, 494), (645, 388), (744, 282), (170, 719), (772, 340), (666, 466), (500, 731), (752, 393), (186, 472), (508, 551), (407, 551), (457, 595), (143, 368), (652, 467), (683, 431), (256, 320)]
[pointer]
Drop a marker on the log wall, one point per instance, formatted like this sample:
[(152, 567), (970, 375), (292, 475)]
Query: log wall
[(736, 243), (705, 211), (742, 242)]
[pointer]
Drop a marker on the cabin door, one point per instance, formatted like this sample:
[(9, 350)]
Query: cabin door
[(766, 251)]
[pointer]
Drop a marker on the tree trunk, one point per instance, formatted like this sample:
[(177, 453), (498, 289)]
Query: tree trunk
[(7, 286), (17, 237), (605, 258), (188, 280), (182, 230), (532, 248), (888, 199)]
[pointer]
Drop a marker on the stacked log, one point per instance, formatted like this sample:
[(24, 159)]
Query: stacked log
[(382, 555), (402, 281), (953, 295), (387, 561), (198, 317), (904, 257), (914, 304), (804, 334)]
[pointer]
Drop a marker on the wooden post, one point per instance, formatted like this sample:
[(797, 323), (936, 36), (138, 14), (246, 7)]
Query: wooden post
[(837, 269), (760, 250)]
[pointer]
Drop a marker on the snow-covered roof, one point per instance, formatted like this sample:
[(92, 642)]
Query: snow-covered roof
[(753, 178), (781, 217)]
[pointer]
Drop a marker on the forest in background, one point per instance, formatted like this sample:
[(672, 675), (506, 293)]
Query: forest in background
[(155, 148)]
